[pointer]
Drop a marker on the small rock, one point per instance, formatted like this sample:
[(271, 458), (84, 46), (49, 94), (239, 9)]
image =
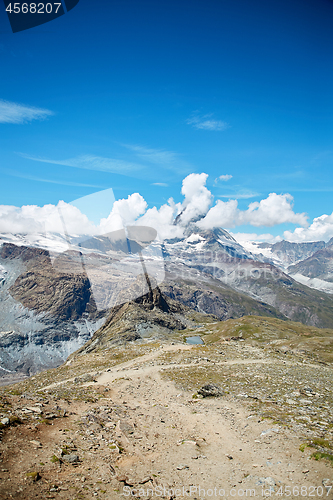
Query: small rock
[(83, 379), (210, 390), (230, 457), (5, 421), (122, 479), (269, 431), (182, 467), (36, 443), (109, 425), (70, 459), (145, 480), (126, 427), (35, 409), (305, 471), (126, 480), (307, 390)]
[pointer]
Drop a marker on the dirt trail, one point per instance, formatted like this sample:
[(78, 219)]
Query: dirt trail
[(209, 443), (145, 438), (127, 364)]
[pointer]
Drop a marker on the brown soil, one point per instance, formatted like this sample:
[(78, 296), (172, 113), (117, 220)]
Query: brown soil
[(143, 436)]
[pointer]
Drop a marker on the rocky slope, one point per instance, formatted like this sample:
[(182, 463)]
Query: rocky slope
[(153, 315), (210, 296), (53, 302), (259, 281), (319, 265), (286, 253), (44, 314)]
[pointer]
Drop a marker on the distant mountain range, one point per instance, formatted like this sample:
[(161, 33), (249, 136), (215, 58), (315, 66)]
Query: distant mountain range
[(308, 263), (57, 292)]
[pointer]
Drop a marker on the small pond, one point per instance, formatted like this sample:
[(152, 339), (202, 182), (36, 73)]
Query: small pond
[(194, 340)]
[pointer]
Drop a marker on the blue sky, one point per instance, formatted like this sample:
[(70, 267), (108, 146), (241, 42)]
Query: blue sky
[(135, 96)]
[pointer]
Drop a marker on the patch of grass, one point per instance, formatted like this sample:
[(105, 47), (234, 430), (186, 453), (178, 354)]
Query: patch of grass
[(33, 475), (303, 446), (318, 455), (54, 459), (321, 442), (45, 421), (14, 420)]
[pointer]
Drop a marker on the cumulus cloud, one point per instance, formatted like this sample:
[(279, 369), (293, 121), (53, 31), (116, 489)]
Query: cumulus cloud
[(222, 214), (276, 209), (162, 220), (124, 212), (320, 229), (11, 112), (273, 210), (59, 218), (206, 122), (197, 197)]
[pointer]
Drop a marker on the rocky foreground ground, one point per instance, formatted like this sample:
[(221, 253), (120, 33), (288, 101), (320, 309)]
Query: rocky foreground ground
[(131, 420)]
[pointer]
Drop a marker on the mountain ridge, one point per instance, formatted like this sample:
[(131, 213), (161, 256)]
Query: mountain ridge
[(48, 303)]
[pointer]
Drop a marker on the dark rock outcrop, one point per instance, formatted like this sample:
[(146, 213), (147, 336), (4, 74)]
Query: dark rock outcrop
[(153, 314), (210, 391), (50, 288)]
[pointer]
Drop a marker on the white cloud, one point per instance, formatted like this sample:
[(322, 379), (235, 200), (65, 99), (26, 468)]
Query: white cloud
[(11, 112), (222, 214), (242, 195), (276, 209), (124, 212), (197, 197), (225, 178), (207, 123), (162, 184), (162, 220), (273, 210), (320, 229), (59, 218)]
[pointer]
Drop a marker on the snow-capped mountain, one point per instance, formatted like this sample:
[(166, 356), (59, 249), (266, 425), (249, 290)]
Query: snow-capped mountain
[(57, 290)]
